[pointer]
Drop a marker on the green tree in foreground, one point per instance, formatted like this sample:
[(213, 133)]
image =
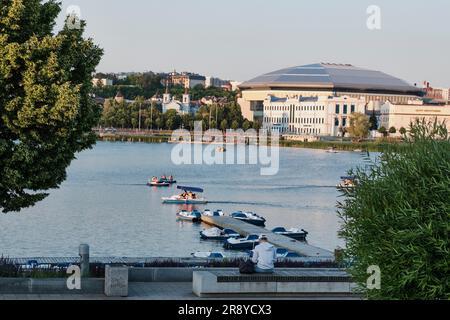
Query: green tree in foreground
[(46, 112), (398, 218), (359, 126)]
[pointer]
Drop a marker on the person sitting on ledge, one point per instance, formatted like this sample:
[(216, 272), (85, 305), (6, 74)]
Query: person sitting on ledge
[(264, 256)]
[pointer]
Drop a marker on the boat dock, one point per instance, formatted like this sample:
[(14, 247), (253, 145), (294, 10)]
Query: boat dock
[(244, 229)]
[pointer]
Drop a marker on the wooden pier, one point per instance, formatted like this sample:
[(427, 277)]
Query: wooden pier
[(280, 241)]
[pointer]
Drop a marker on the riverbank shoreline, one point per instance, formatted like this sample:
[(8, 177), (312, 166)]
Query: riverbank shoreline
[(349, 146)]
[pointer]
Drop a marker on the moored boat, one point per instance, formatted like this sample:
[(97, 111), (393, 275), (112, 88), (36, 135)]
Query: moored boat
[(247, 243), (194, 216), (218, 234), (285, 253), (293, 233), (249, 217), (209, 213), (208, 255)]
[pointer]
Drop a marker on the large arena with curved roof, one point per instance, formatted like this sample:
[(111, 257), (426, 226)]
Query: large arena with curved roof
[(331, 76), (324, 79)]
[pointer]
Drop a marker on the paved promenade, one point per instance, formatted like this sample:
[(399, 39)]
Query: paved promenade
[(153, 291)]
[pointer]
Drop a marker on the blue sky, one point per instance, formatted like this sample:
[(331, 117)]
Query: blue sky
[(240, 39)]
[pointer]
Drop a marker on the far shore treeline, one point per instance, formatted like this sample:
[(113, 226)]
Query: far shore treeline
[(137, 90), (123, 115)]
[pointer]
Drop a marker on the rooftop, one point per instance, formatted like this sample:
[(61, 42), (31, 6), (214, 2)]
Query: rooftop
[(331, 76)]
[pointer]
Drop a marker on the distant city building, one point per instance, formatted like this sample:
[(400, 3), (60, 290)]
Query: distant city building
[(324, 80), (438, 94), (97, 82), (182, 107), (216, 82), (312, 116), (224, 84), (401, 115), (184, 79)]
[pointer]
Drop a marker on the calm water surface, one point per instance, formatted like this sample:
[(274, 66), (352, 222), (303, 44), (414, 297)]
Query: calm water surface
[(105, 202)]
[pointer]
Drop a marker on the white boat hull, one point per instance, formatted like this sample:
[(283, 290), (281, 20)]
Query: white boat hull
[(184, 201)]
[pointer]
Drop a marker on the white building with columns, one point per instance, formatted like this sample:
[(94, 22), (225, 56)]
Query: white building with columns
[(311, 116)]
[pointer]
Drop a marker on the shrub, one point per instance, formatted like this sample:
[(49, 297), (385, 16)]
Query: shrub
[(8, 269), (383, 131), (398, 217), (402, 131)]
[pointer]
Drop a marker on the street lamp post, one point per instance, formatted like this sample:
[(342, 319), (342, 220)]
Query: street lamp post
[(140, 113), (210, 115), (151, 116)]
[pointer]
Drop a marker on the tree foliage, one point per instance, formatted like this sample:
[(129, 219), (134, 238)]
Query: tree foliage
[(398, 218), (46, 112), (359, 126), (126, 115), (373, 121)]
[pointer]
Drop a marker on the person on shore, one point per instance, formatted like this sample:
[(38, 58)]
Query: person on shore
[(264, 256)]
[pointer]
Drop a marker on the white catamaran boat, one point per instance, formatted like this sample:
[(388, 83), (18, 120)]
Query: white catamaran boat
[(188, 196)]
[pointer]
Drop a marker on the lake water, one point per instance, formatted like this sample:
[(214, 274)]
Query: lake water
[(105, 202)]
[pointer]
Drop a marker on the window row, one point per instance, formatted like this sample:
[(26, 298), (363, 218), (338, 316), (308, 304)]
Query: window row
[(296, 108), (345, 109), (296, 120), (308, 130)]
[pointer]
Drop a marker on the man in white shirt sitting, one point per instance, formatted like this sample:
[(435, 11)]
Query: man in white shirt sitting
[(264, 256)]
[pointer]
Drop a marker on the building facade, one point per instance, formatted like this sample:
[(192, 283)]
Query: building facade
[(216, 82), (312, 116), (324, 80), (184, 79), (402, 115), (437, 94)]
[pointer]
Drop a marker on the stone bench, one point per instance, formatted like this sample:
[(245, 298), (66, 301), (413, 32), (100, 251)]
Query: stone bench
[(323, 282)]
